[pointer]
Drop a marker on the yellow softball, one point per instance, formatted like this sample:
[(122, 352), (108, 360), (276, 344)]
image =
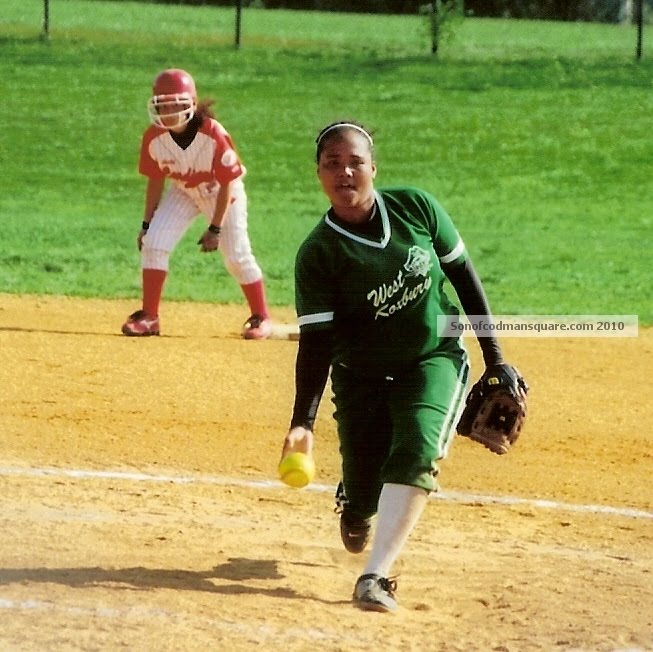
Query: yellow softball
[(297, 470)]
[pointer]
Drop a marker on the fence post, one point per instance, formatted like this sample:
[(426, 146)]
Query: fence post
[(239, 11), (639, 10), (45, 34)]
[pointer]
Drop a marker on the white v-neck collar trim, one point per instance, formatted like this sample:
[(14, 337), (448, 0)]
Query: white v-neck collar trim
[(385, 222)]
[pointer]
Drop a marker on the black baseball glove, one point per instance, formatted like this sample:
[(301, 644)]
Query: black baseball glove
[(496, 409)]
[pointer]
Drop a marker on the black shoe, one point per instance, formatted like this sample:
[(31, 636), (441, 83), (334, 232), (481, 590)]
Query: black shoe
[(354, 531), (375, 593)]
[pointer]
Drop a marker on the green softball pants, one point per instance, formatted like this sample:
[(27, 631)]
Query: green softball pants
[(395, 429)]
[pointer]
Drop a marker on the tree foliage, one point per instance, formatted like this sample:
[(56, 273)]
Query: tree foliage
[(576, 10), (580, 10)]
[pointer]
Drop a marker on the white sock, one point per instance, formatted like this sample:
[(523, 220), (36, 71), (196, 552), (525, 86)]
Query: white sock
[(400, 507)]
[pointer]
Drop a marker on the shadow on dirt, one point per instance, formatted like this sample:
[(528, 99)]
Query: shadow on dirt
[(139, 578)]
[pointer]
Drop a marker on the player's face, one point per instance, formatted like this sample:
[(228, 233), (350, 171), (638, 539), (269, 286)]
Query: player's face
[(170, 113), (346, 171)]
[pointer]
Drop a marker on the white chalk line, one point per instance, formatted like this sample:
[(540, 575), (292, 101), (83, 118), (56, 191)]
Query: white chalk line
[(448, 496)]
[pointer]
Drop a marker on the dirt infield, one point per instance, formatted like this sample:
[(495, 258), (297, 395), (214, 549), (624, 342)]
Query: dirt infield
[(140, 508)]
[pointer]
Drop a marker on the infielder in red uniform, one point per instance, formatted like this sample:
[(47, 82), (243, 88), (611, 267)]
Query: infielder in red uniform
[(188, 146)]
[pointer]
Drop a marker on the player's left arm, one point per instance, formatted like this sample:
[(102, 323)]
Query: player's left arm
[(210, 239), (468, 287), (221, 205), (225, 169), (478, 420), (458, 268)]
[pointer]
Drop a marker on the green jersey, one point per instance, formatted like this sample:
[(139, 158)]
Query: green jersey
[(380, 292)]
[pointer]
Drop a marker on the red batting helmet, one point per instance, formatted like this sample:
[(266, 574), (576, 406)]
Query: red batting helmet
[(172, 89)]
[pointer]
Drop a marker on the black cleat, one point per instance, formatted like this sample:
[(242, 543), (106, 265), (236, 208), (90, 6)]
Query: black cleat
[(354, 532)]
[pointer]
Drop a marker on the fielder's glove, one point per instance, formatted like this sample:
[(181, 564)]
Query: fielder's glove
[(496, 409)]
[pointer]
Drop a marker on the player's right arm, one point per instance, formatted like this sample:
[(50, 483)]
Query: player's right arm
[(311, 374), (156, 176), (314, 351), (298, 440), (153, 193)]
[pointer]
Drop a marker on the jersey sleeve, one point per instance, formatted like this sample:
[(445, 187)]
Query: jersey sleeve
[(226, 162), (147, 166), (314, 293), (449, 246)]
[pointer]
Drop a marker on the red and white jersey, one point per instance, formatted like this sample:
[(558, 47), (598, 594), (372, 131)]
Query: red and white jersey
[(209, 161)]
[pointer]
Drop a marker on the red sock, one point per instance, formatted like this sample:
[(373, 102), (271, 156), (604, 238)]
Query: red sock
[(255, 295), (153, 280)]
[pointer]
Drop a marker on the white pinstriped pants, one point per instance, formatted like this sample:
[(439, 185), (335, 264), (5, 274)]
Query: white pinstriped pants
[(177, 211)]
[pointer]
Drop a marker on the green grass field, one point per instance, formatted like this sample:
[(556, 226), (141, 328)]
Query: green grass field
[(535, 136)]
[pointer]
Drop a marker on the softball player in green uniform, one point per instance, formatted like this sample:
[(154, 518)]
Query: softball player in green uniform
[(370, 299)]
